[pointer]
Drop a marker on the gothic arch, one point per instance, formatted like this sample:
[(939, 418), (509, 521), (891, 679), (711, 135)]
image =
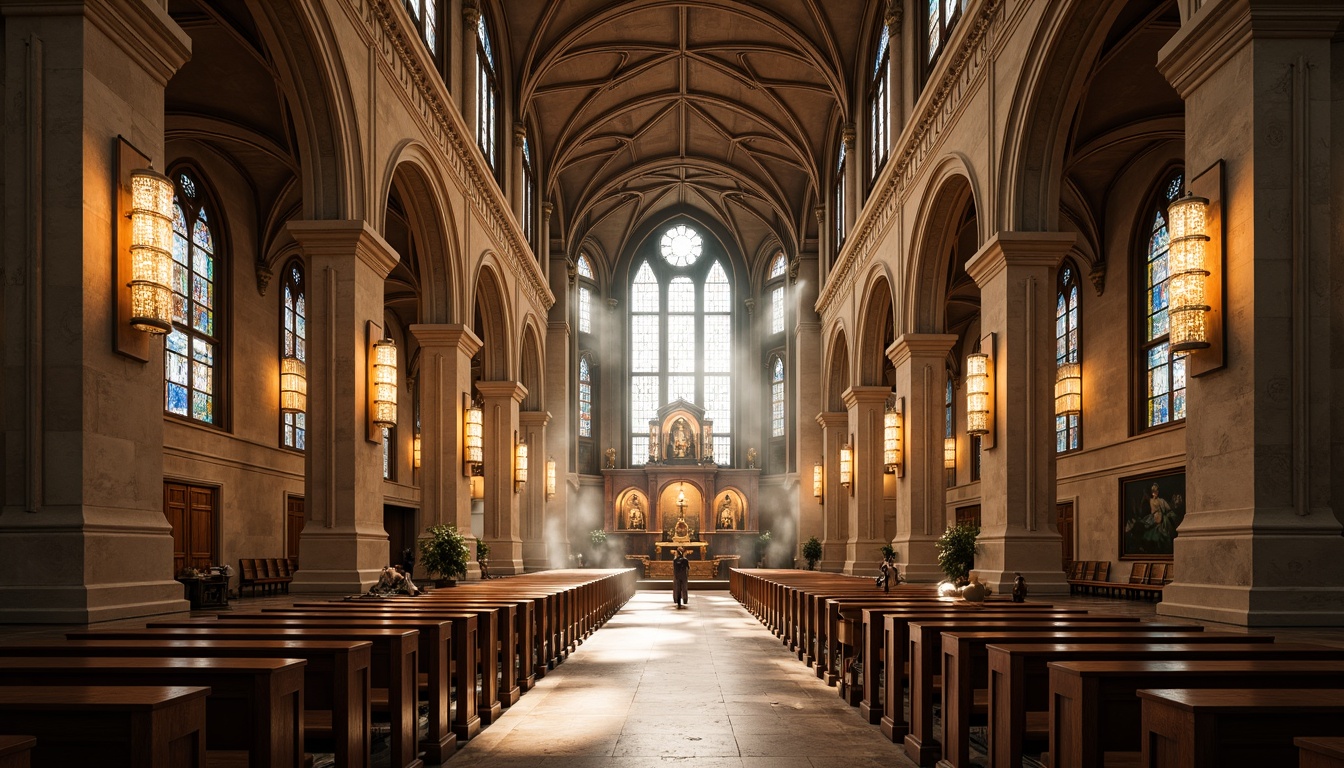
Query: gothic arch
[(836, 379), (874, 320), (413, 172), (933, 241), (531, 374), (494, 328)]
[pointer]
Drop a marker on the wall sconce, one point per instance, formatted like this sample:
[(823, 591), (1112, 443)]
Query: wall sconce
[(384, 409), (550, 478), (151, 251), (979, 419), (950, 453), (473, 438), (415, 452), (1187, 223), (519, 466), (818, 486), (293, 385), (892, 427), (847, 467), (1068, 389)]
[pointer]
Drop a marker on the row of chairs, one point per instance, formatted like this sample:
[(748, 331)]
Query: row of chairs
[(272, 574), (1146, 580)]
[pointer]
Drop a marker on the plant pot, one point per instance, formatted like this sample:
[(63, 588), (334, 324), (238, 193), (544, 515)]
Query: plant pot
[(444, 583)]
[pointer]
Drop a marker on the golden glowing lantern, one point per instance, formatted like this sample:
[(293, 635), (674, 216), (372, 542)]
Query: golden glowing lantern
[(977, 394), (384, 383), (473, 439), (415, 458), (520, 465), (847, 467), (949, 453), (817, 485), (1068, 389), (891, 439), (151, 252), (550, 478), (1186, 221), (293, 385)]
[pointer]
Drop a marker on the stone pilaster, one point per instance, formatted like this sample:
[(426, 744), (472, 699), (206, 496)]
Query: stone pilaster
[(1016, 275), (559, 398), (835, 512), (808, 448), (532, 498), (867, 406), (471, 17), (921, 378), (502, 523)]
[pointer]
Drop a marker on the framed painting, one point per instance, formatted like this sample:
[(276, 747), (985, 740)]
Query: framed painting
[(1151, 508)]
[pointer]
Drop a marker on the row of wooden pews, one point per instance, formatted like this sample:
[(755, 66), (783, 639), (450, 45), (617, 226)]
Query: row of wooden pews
[(265, 682), (1084, 689)]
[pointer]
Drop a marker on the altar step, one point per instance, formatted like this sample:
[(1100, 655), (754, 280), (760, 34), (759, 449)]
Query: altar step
[(665, 585)]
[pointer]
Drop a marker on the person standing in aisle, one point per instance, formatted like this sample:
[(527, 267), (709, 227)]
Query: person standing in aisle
[(681, 578)]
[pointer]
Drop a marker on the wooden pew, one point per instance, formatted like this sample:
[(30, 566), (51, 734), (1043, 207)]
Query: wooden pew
[(16, 751), (1314, 752), (255, 705), (965, 667), (1234, 727), (335, 677), (1094, 705), (124, 726), (1013, 667), (394, 666)]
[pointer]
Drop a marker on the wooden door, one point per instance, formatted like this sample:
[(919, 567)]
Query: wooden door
[(192, 511), (969, 515), (294, 520), (1064, 524)]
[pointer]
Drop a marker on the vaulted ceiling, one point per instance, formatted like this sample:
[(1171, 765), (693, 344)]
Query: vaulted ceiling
[(645, 108)]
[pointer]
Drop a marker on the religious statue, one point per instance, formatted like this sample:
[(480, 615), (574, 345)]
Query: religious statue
[(726, 518), (680, 440), (636, 519), (611, 458), (1019, 588), (681, 532), (751, 458)]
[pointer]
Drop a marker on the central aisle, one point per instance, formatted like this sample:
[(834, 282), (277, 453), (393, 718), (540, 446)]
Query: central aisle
[(705, 687)]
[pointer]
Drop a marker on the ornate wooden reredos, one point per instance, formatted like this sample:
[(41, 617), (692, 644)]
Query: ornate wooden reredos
[(680, 434)]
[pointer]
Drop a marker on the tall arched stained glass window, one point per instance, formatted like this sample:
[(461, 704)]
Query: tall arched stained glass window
[(425, 16), (681, 311), (879, 106), (1068, 428), (840, 199), (775, 284), (777, 397), (192, 349), (585, 396), (487, 96), (585, 272), (530, 198), (942, 17), (1163, 374), (294, 344), (949, 433)]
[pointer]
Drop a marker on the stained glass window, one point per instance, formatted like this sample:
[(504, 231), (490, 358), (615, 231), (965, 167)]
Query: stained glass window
[(585, 396), (949, 425), (942, 17), (584, 268), (585, 309), (294, 344), (1164, 375), (777, 398), (387, 453), (879, 107), (681, 246), (778, 268), (840, 199), (487, 96), (190, 365), (530, 198), (424, 14), (1068, 427)]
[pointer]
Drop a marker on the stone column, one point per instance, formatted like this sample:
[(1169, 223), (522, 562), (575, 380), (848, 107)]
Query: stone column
[(1016, 275), (559, 398), (921, 378), (516, 178), (532, 499), (83, 425), (445, 384), (1260, 541), (895, 68), (837, 499), (471, 17), (867, 406), (343, 546), (825, 250), (808, 444), (502, 524), (853, 179)]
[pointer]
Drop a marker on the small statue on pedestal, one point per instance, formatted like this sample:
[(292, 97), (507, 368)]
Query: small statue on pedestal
[(1019, 588), (751, 458), (611, 458)]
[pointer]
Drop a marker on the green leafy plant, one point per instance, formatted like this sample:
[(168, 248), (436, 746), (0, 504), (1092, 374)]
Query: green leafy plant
[(444, 553), (762, 547), (598, 538), (956, 551), (887, 551), (812, 553), (482, 551)]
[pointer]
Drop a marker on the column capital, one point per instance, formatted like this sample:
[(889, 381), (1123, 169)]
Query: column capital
[(496, 390), (345, 237), (519, 134), (472, 15), (836, 419), (450, 335), (912, 345), (534, 418), (1018, 249), (865, 395)]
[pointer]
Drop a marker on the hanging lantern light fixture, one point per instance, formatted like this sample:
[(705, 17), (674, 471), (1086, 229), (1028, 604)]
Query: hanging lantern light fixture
[(151, 252), (1187, 224), (384, 383)]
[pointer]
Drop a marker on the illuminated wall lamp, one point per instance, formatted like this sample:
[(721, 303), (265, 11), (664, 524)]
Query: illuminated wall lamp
[(384, 383), (818, 482), (550, 478), (293, 385), (979, 415), (950, 453), (1068, 389), (892, 428), (151, 251), (519, 466), (415, 452), (847, 467), (473, 438), (1187, 220)]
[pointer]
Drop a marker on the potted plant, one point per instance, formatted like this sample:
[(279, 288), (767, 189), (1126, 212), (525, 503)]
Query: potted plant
[(956, 551), (483, 557), (887, 551), (762, 545), (444, 554), (598, 538), (812, 553)]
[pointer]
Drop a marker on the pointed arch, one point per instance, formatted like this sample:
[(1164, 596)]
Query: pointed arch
[(530, 371), (836, 379), (492, 324), (934, 239), (436, 261), (876, 328)]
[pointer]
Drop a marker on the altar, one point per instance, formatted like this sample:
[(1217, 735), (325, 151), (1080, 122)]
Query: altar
[(661, 546)]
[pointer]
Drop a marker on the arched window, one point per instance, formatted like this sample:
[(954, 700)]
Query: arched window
[(585, 271), (530, 198), (777, 397), (949, 433), (1068, 435), (1163, 374), (775, 282), (487, 96), (294, 344), (879, 106), (425, 14), (840, 199), (680, 338), (585, 396), (192, 350), (942, 16)]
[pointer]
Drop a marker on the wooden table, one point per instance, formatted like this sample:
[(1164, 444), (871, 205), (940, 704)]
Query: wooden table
[(16, 751), (125, 726), (1234, 727), (1320, 752), (1094, 705)]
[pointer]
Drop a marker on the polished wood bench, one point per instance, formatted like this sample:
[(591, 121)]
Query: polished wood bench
[(395, 665), (1095, 709), (16, 751), (1319, 752), (1019, 680), (255, 705), (1234, 727), (272, 574), (124, 726)]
